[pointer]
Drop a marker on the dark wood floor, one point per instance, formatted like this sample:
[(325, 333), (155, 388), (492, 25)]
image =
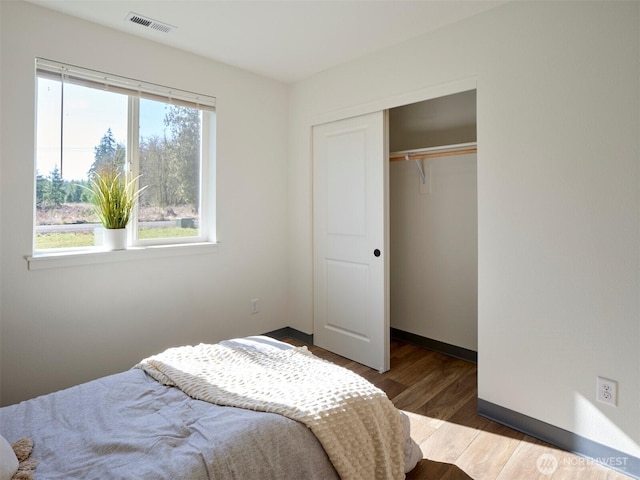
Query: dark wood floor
[(439, 394)]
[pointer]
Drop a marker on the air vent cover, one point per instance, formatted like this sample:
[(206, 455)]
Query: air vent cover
[(149, 22)]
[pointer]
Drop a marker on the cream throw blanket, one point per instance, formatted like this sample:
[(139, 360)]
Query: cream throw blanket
[(357, 425)]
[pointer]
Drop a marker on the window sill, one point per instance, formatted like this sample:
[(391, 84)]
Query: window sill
[(72, 259)]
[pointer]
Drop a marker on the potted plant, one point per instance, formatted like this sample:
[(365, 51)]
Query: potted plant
[(114, 195)]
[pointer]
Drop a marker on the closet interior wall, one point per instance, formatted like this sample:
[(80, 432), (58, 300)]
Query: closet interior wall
[(433, 222)]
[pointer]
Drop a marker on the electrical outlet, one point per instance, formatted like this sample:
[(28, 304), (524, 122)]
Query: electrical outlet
[(607, 391), (254, 306)]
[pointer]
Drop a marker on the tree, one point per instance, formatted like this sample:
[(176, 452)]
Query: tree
[(57, 191), (76, 193), (42, 190), (154, 170), (108, 154), (171, 165), (184, 148)]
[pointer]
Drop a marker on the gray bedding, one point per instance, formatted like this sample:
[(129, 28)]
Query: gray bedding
[(128, 426)]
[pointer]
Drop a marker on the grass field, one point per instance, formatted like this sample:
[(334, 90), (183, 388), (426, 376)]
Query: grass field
[(46, 241)]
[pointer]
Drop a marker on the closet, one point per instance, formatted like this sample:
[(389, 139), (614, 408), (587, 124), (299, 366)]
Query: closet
[(433, 222), (395, 230)]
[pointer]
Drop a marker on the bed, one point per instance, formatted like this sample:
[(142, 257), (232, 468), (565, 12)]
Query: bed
[(146, 423)]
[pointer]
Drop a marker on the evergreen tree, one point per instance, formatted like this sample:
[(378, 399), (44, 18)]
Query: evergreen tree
[(42, 189), (108, 153), (75, 192), (57, 191)]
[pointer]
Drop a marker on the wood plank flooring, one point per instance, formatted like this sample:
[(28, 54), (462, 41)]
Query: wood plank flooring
[(439, 394)]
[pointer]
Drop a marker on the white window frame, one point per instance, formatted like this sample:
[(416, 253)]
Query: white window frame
[(135, 90)]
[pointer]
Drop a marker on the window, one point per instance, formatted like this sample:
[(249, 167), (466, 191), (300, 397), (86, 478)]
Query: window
[(87, 120)]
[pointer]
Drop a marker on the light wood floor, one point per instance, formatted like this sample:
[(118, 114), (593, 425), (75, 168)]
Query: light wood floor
[(439, 393)]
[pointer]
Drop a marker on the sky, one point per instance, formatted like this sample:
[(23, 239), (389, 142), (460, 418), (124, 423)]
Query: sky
[(83, 129)]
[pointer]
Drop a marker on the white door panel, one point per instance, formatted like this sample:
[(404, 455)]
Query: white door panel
[(346, 298), (350, 171), (345, 183)]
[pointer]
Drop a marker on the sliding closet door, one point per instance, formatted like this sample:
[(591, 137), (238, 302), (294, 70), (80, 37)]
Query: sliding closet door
[(350, 218)]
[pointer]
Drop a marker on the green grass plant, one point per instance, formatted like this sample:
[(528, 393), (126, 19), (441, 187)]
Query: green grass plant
[(113, 196)]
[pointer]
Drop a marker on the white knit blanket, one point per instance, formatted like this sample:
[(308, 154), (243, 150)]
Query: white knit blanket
[(357, 425)]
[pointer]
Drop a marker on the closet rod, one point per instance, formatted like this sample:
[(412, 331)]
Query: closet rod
[(432, 152)]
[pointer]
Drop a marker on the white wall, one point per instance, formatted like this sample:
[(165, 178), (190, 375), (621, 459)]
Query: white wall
[(63, 326), (558, 204), (434, 249)]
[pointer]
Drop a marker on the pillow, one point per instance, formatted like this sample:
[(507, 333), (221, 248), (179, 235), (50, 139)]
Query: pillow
[(8, 460)]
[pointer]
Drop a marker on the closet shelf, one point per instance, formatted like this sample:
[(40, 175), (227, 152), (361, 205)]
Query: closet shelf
[(431, 152)]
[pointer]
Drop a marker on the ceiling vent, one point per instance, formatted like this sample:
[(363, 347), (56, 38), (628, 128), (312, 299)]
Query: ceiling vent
[(149, 23)]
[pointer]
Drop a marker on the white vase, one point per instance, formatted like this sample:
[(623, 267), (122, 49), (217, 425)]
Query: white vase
[(114, 239)]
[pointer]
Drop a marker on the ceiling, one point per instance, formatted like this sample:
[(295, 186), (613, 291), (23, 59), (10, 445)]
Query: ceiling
[(285, 40)]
